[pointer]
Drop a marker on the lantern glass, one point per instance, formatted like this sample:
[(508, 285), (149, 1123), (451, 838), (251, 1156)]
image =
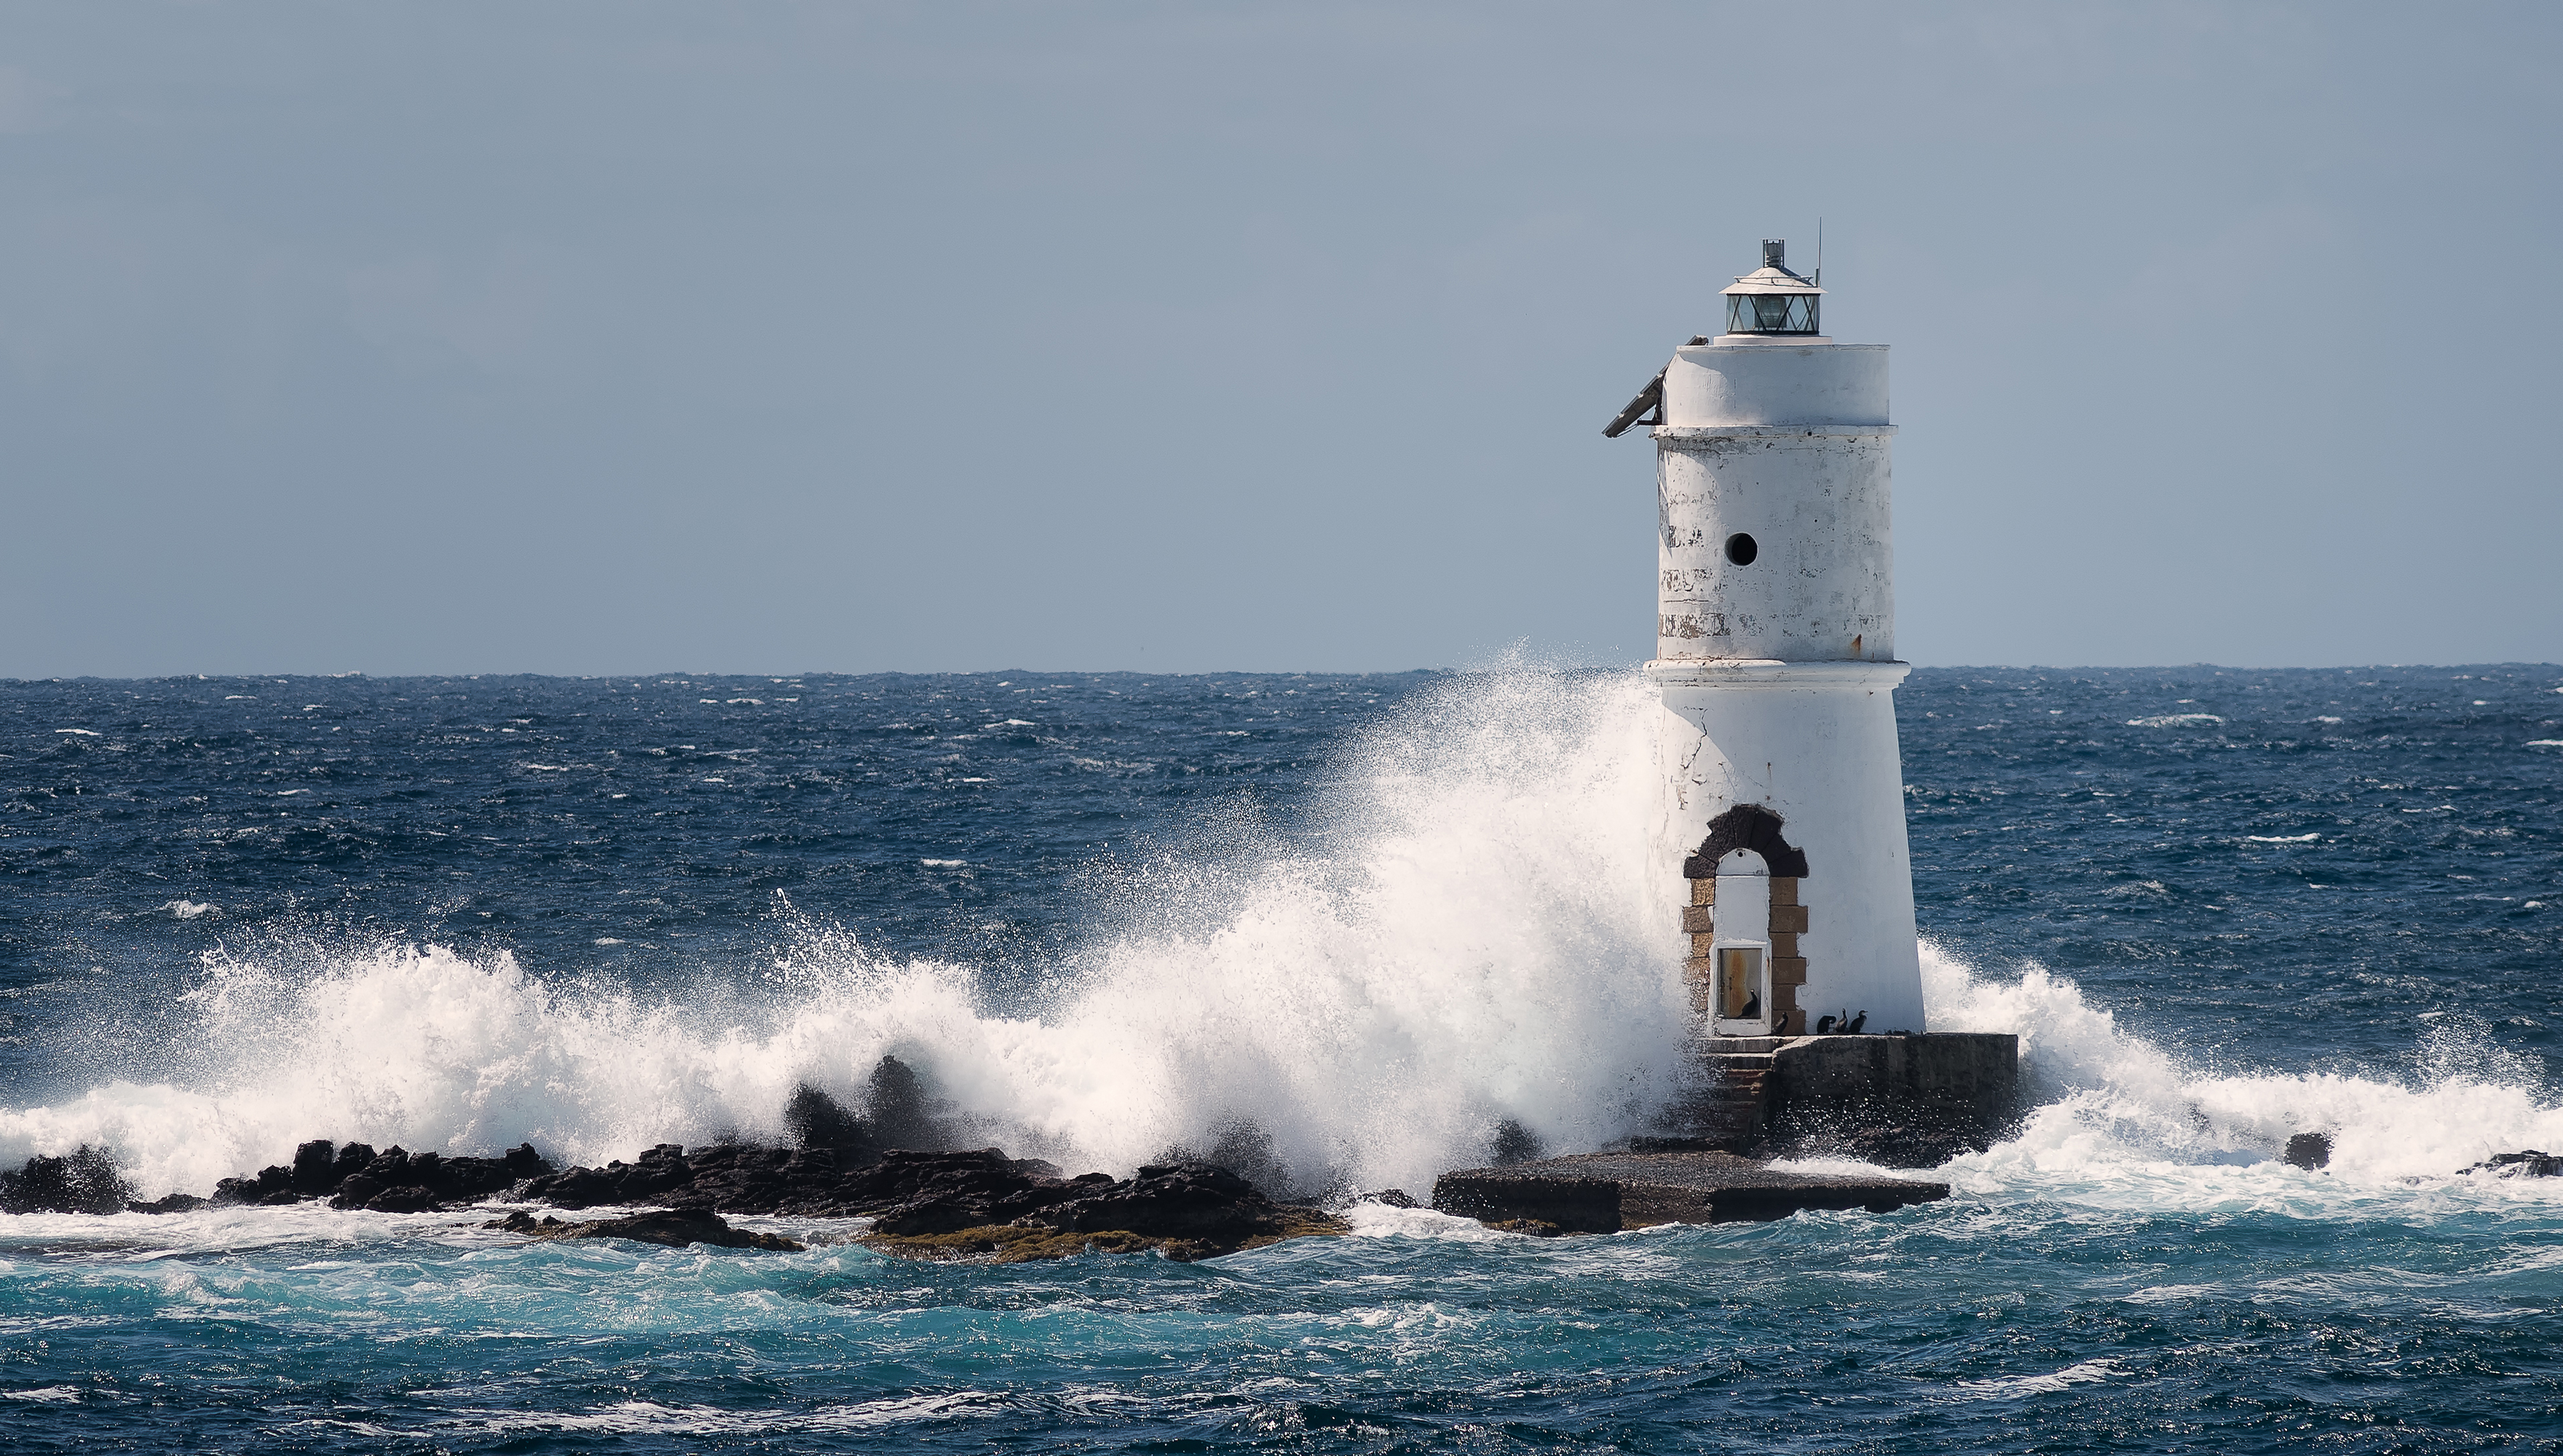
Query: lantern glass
[(1792, 313)]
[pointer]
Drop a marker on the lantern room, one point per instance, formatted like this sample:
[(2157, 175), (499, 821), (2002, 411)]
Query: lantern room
[(1773, 302)]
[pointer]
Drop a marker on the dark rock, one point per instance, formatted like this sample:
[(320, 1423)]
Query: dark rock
[(943, 1192), (1513, 1143), (2530, 1163), (358, 1175), (657, 1172), (281, 1198), (1182, 1200), (411, 1200), (2308, 1151), (84, 1180), (818, 1121), (1244, 1149), (315, 1166), (983, 1205), (172, 1204), (678, 1230), (352, 1158), (1394, 1197), (900, 1112)]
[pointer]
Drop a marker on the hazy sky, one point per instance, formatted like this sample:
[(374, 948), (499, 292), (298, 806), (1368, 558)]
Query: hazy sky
[(761, 337)]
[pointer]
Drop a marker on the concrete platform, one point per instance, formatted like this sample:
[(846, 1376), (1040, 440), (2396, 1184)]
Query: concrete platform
[(1605, 1193)]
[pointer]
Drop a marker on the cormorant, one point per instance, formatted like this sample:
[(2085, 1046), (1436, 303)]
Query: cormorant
[(1855, 1023), (1824, 1024)]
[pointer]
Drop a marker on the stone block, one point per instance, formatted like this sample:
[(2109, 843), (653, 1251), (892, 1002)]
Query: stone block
[(1788, 917), (1703, 891), (1789, 970), (1700, 919), (1784, 945), (1784, 889)]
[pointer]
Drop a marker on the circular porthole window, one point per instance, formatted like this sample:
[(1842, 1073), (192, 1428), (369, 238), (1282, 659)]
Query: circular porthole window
[(1742, 550)]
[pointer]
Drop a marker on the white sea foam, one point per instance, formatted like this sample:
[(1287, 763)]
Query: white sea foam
[(2175, 720), (1468, 932), (2119, 1119), (191, 909), (1466, 937)]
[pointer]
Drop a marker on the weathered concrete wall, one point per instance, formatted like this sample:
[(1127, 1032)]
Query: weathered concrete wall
[(1814, 743), (1778, 671), (1772, 382), (1604, 1193), (1821, 586), (1940, 1091)]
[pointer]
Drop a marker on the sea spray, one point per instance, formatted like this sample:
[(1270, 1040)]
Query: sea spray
[(1460, 933), (1461, 939), (2114, 1116)]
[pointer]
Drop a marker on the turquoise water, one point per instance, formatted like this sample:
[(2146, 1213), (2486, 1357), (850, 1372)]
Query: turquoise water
[(1374, 917)]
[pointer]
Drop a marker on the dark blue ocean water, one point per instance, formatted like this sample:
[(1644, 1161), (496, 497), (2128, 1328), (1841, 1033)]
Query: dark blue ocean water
[(1109, 914)]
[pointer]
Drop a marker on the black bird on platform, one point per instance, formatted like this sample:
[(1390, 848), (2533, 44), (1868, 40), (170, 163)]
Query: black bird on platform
[(1824, 1024), (1856, 1022)]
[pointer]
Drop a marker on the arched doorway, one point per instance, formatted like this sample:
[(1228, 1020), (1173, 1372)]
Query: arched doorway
[(1744, 968)]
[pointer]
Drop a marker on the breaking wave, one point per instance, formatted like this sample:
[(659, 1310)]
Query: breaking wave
[(1465, 934)]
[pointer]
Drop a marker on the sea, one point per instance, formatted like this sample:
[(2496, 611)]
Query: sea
[(1354, 923)]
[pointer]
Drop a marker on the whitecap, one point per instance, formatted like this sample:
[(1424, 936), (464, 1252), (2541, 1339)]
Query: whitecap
[(2283, 839), (2175, 720), (44, 1393), (2090, 1371), (83, 732), (945, 863), (2546, 743), (191, 909)]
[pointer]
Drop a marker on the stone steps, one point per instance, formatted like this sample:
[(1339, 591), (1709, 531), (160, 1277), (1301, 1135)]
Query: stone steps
[(1729, 1100)]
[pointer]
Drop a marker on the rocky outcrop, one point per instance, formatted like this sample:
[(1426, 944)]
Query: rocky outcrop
[(394, 1181), (930, 1200), (678, 1230), (989, 1208), (84, 1180), (2530, 1163)]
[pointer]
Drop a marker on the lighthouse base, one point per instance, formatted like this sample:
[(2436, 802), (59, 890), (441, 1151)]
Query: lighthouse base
[(1901, 1101)]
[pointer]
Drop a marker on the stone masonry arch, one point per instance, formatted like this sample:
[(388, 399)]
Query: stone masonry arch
[(1748, 826)]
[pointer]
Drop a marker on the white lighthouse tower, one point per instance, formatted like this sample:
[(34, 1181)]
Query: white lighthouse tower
[(1784, 799)]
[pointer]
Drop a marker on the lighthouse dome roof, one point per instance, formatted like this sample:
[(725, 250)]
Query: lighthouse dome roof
[(1771, 280), (1773, 277)]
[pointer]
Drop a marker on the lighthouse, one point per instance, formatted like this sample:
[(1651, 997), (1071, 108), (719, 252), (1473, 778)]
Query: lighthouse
[(1781, 833)]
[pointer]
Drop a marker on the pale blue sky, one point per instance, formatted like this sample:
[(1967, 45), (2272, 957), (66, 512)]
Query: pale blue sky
[(757, 337)]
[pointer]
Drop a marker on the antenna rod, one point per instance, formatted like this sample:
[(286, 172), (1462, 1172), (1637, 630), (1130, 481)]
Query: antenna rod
[(1819, 279)]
